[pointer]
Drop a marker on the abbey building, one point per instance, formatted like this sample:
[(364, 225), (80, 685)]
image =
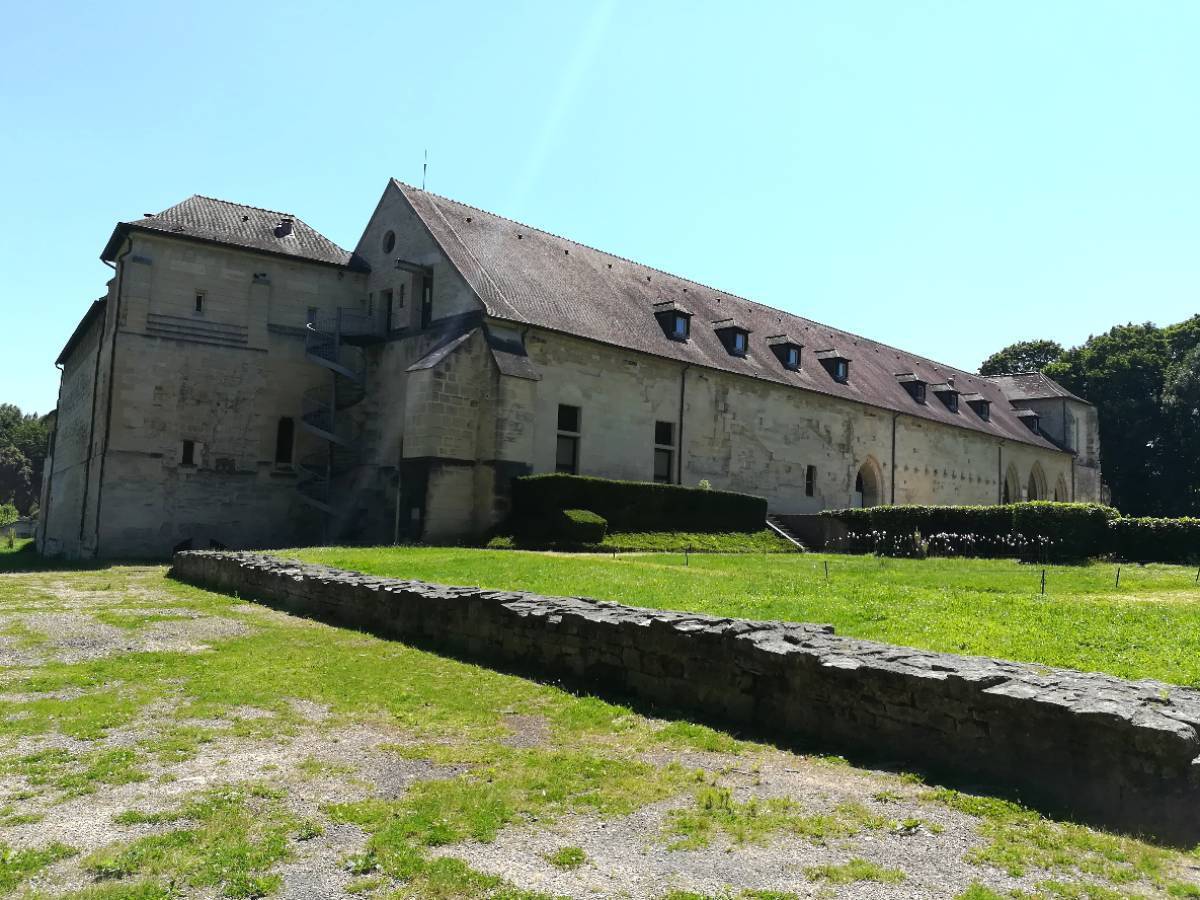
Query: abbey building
[(245, 382)]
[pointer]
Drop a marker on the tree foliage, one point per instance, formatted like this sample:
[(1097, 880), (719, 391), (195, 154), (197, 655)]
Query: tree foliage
[(1023, 356), (23, 442), (1145, 383)]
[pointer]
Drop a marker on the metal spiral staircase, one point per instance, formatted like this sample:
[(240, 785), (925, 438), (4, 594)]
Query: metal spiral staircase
[(330, 341)]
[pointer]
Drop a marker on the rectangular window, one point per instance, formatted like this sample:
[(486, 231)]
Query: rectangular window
[(739, 343), (566, 459), (680, 328), (385, 302), (662, 465), (426, 301), (664, 452), (285, 434), (200, 301), (189, 454), (810, 481), (568, 418), (566, 455)]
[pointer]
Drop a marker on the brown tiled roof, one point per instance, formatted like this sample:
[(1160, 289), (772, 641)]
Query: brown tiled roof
[(219, 221), (1031, 386), (525, 275)]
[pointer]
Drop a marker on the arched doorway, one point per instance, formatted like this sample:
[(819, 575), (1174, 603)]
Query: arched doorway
[(1011, 492), (868, 484), (1036, 489)]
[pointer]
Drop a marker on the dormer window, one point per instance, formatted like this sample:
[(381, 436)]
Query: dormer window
[(837, 365), (675, 321), (948, 395), (786, 350), (735, 338), (916, 387), (1031, 419), (980, 405)]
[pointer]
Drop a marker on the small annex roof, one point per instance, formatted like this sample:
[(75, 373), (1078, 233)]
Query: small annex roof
[(236, 224), (1031, 386), (528, 276)]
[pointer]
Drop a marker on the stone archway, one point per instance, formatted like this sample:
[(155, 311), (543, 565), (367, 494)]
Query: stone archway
[(1011, 492), (1061, 493), (1036, 488), (868, 484)]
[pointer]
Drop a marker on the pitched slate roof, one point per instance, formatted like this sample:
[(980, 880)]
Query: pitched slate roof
[(1031, 386), (219, 221), (529, 276)]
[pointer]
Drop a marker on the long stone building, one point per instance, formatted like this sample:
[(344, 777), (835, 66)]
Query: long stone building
[(245, 382)]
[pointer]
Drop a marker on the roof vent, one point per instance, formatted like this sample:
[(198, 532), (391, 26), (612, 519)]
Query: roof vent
[(284, 228)]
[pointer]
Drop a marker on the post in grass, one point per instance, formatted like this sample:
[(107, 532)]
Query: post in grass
[(1118, 584), (1043, 582), (686, 551), (826, 570)]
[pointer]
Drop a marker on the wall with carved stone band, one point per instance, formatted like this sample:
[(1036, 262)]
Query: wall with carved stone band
[(1118, 753)]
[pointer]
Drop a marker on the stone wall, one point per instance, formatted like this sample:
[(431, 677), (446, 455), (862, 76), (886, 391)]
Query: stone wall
[(1118, 753)]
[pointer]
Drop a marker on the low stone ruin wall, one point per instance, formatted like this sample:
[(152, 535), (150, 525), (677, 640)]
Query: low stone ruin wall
[(1118, 753)]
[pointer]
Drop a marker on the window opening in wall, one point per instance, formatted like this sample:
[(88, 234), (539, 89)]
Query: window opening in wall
[(385, 301), (199, 301), (810, 481), (285, 433), (664, 452), (566, 456), (426, 301), (389, 242), (189, 454)]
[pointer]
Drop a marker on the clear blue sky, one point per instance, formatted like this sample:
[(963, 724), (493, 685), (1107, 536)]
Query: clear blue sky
[(948, 177)]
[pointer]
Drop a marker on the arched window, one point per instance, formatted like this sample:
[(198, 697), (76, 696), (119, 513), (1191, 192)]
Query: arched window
[(1036, 489), (1011, 492), (285, 433)]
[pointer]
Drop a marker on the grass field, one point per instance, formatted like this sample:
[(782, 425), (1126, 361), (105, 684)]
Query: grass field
[(1148, 627), (159, 741)]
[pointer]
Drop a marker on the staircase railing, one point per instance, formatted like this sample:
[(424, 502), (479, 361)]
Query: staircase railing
[(325, 345)]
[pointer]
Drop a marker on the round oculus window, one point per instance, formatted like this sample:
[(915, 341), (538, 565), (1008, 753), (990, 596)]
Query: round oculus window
[(389, 242)]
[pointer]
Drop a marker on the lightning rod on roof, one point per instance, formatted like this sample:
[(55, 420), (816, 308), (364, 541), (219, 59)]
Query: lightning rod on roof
[(425, 168)]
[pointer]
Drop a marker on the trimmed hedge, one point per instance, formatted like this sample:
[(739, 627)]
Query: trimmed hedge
[(1049, 530), (581, 526), (633, 505), (1156, 540)]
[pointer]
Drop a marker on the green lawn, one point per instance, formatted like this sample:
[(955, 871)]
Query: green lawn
[(207, 747), (1149, 627)]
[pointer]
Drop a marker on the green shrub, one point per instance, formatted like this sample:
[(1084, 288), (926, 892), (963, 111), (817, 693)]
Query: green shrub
[(1038, 529), (1077, 530), (581, 526), (1156, 540), (632, 505)]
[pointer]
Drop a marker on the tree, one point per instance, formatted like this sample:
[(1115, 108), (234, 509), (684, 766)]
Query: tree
[(1023, 356), (24, 438)]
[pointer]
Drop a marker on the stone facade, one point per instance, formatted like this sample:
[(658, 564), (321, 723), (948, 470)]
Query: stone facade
[(1121, 754), (179, 386)]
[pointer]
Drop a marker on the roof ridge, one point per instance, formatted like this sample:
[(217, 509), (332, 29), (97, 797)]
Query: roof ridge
[(728, 294), (277, 212)]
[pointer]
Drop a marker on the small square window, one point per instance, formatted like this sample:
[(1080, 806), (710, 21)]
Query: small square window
[(189, 454), (662, 466), (664, 433), (566, 459), (199, 301), (568, 418)]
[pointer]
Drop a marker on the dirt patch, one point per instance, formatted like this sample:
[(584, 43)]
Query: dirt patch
[(527, 731), (71, 637)]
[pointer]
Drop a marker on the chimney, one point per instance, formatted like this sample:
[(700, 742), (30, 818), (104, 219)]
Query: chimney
[(284, 228)]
